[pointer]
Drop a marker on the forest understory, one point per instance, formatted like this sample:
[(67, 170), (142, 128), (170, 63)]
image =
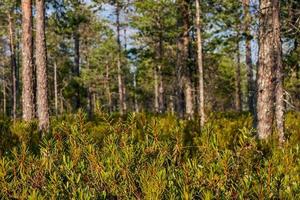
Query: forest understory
[(142, 156)]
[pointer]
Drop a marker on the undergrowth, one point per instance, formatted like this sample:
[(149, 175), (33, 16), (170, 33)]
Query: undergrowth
[(147, 157)]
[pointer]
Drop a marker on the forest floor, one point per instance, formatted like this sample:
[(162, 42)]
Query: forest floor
[(148, 157)]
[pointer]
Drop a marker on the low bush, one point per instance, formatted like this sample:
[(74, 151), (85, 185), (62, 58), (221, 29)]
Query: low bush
[(148, 157)]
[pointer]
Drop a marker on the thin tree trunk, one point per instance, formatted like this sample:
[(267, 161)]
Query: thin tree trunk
[(189, 110), (120, 81), (179, 71), (158, 81), (90, 103), (41, 67), (161, 93), (265, 79), (161, 84), (124, 96), (61, 102), (250, 78), (238, 90), (55, 89), (279, 91), (156, 90), (200, 64), (109, 100), (136, 105), (4, 92), (18, 53), (27, 71), (76, 69), (171, 105), (13, 64)]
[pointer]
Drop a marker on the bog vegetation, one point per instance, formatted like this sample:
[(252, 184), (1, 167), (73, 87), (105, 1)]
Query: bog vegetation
[(149, 99), (142, 156)]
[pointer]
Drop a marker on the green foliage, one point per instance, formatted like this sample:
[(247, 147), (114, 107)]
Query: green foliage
[(147, 157)]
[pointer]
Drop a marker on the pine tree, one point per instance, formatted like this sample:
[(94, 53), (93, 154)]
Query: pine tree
[(27, 57), (41, 67)]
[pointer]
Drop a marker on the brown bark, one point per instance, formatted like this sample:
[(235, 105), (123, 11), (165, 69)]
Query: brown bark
[(279, 91), (13, 61), (41, 67), (266, 79), (238, 90), (186, 79), (250, 78), (27, 71), (200, 64)]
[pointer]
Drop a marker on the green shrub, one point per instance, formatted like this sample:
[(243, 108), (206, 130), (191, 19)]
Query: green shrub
[(148, 157)]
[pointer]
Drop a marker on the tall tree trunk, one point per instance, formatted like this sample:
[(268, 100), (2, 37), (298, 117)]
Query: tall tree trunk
[(108, 93), (156, 90), (55, 89), (41, 67), (91, 104), (179, 71), (161, 84), (18, 64), (120, 79), (13, 61), (158, 81), (76, 68), (136, 105), (250, 78), (61, 97), (187, 82), (200, 64), (161, 93), (265, 79), (4, 92), (238, 90), (279, 91), (27, 71)]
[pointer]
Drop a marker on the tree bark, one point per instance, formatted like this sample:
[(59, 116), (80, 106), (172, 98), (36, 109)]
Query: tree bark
[(161, 84), (4, 93), (108, 93), (265, 79), (186, 79), (55, 89), (238, 90), (121, 88), (200, 64), (27, 71), (61, 102), (13, 61), (136, 105), (41, 67), (279, 91), (179, 71), (76, 68), (250, 78), (158, 80), (156, 90)]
